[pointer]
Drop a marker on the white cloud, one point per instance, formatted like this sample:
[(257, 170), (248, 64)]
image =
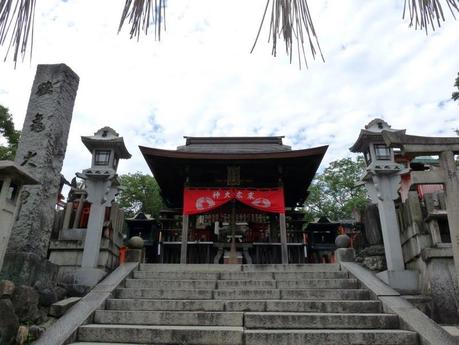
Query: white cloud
[(201, 80)]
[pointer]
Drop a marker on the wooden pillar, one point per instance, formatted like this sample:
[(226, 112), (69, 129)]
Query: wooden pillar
[(183, 251), (451, 179), (283, 237)]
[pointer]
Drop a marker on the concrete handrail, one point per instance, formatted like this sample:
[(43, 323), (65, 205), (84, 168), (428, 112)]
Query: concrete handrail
[(63, 331), (411, 318)]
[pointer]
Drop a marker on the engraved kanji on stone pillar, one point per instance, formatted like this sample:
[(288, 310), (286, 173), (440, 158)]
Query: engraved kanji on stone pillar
[(41, 152)]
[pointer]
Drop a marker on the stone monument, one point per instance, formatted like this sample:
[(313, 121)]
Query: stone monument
[(382, 181), (41, 152), (102, 185)]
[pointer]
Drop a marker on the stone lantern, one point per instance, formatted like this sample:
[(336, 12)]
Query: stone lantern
[(102, 185), (382, 181), (12, 178)]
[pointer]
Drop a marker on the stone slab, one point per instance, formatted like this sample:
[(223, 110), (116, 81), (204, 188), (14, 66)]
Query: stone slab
[(288, 320), (172, 318), (170, 284), (163, 334), (292, 268), (176, 275), (208, 268), (329, 337), (164, 294), (329, 294), (59, 308), (159, 304), (319, 284)]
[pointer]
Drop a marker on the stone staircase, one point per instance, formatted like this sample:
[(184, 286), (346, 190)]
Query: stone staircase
[(252, 305)]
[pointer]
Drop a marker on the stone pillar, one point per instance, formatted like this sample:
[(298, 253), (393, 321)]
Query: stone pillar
[(451, 181), (100, 195), (41, 151), (283, 238), (184, 248), (387, 187)]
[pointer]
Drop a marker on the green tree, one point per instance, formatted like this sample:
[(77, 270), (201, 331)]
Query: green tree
[(455, 95), (8, 150), (140, 194), (333, 193)]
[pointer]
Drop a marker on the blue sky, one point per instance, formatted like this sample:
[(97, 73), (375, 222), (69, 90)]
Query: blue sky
[(201, 80)]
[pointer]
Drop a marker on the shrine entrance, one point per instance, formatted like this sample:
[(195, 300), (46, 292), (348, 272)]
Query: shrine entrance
[(232, 200)]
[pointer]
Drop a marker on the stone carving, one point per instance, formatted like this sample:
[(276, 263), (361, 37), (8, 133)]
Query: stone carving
[(45, 88), (28, 157), (37, 123)]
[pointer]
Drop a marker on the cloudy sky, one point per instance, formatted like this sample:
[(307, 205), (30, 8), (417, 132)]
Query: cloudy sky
[(201, 80)]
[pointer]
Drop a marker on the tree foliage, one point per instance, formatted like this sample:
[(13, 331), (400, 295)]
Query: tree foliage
[(11, 135), (455, 95), (333, 193), (140, 194)]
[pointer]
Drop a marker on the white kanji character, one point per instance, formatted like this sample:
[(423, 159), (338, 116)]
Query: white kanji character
[(239, 195), (227, 195), (250, 196), (216, 195)]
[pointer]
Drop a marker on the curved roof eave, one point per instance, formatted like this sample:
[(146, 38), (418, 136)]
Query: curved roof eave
[(147, 151)]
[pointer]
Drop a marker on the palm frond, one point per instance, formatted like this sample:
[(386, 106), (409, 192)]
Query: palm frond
[(428, 13), (17, 22), (291, 20), (141, 14)]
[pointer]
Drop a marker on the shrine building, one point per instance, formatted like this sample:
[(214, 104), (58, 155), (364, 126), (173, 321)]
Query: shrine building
[(232, 200)]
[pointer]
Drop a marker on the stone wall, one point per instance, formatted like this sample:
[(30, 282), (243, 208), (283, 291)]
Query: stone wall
[(427, 249)]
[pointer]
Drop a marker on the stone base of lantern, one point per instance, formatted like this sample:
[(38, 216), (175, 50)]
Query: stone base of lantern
[(403, 281)]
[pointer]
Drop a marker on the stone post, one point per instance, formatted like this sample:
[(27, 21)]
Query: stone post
[(451, 182), (41, 152)]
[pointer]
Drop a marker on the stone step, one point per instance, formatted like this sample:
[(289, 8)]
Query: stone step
[(245, 275), (310, 275), (325, 294), (276, 320), (171, 284), (319, 284), (142, 334), (242, 284), (176, 275), (164, 294), (246, 305), (300, 294), (292, 268), (171, 318), (206, 268), (330, 337)]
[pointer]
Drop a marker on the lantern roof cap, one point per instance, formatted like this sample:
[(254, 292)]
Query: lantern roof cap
[(372, 134), (106, 138), (17, 172)]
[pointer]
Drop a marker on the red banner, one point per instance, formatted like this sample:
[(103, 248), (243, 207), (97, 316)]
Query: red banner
[(201, 200)]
